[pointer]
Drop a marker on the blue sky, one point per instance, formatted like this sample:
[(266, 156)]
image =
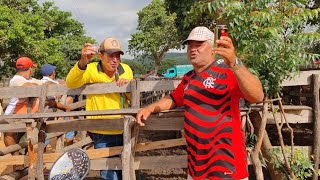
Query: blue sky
[(105, 18)]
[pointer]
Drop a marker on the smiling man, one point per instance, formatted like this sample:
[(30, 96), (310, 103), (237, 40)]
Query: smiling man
[(210, 96), (108, 69)]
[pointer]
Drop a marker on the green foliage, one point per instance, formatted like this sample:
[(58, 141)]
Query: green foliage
[(269, 35), (180, 58), (169, 60), (165, 64), (181, 9), (156, 34), (44, 33), (251, 140), (301, 165), (139, 68), (136, 67)]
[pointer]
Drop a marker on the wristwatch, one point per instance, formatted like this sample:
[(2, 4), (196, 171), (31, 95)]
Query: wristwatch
[(238, 63)]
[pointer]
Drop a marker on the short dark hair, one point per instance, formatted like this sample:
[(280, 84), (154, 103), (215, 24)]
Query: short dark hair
[(22, 69)]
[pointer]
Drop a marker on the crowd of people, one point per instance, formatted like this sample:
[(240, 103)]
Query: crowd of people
[(209, 94)]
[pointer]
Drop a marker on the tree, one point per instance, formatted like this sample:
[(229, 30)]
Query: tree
[(182, 8), (45, 34), (156, 34), (136, 67), (269, 36), (69, 33), (166, 64)]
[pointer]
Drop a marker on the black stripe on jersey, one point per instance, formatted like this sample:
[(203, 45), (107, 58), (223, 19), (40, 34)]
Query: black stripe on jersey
[(220, 151), (208, 92), (185, 81), (207, 130), (207, 118), (220, 63), (225, 140), (199, 140), (206, 106), (216, 74)]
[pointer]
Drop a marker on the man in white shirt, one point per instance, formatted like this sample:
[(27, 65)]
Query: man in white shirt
[(24, 71)]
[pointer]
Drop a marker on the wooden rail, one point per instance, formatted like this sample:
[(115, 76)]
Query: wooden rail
[(169, 120)]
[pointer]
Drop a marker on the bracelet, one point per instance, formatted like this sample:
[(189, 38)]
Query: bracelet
[(237, 65)]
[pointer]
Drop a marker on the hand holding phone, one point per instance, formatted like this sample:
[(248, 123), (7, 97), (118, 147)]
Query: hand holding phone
[(220, 30)]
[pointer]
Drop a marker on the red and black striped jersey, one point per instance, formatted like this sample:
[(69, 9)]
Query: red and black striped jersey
[(215, 141)]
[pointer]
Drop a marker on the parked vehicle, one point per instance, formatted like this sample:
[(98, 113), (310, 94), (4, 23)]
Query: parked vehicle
[(177, 71)]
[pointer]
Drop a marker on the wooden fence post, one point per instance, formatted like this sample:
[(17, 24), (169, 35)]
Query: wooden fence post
[(316, 131), (41, 125), (127, 156), (135, 103), (31, 152)]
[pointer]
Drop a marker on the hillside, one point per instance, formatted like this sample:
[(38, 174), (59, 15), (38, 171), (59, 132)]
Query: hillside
[(181, 58)]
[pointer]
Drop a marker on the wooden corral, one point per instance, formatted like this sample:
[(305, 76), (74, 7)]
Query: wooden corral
[(37, 160)]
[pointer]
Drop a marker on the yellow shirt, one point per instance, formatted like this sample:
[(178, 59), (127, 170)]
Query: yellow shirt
[(94, 74)]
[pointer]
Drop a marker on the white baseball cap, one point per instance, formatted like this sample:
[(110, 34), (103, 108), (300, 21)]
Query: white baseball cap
[(200, 33)]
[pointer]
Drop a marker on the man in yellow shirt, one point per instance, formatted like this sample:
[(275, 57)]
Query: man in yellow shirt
[(108, 69)]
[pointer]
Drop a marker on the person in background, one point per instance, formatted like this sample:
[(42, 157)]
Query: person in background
[(24, 70), (108, 69), (48, 75), (210, 96)]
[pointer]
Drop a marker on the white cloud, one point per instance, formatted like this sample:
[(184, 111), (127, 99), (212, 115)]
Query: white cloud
[(105, 18)]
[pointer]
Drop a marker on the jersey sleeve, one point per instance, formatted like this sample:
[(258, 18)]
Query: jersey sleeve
[(177, 94), (234, 86)]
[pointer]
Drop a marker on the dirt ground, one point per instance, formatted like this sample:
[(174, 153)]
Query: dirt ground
[(154, 174), (172, 174), (145, 136)]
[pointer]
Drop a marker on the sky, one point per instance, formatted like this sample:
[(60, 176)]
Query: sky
[(105, 18)]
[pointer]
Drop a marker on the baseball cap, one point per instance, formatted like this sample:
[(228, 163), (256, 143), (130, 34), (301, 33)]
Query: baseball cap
[(24, 62), (47, 69), (110, 45), (199, 33)]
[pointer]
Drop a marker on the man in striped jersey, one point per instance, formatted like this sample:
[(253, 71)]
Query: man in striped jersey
[(210, 95)]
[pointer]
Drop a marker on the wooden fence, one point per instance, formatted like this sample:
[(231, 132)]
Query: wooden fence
[(128, 162)]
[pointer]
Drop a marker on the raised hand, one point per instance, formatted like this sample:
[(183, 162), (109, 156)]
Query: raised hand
[(226, 50), (87, 53)]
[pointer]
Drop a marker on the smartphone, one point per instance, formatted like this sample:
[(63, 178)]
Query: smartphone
[(220, 30)]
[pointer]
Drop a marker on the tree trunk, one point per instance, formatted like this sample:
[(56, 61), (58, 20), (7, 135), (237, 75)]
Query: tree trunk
[(260, 133), (255, 118), (157, 64), (316, 144)]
